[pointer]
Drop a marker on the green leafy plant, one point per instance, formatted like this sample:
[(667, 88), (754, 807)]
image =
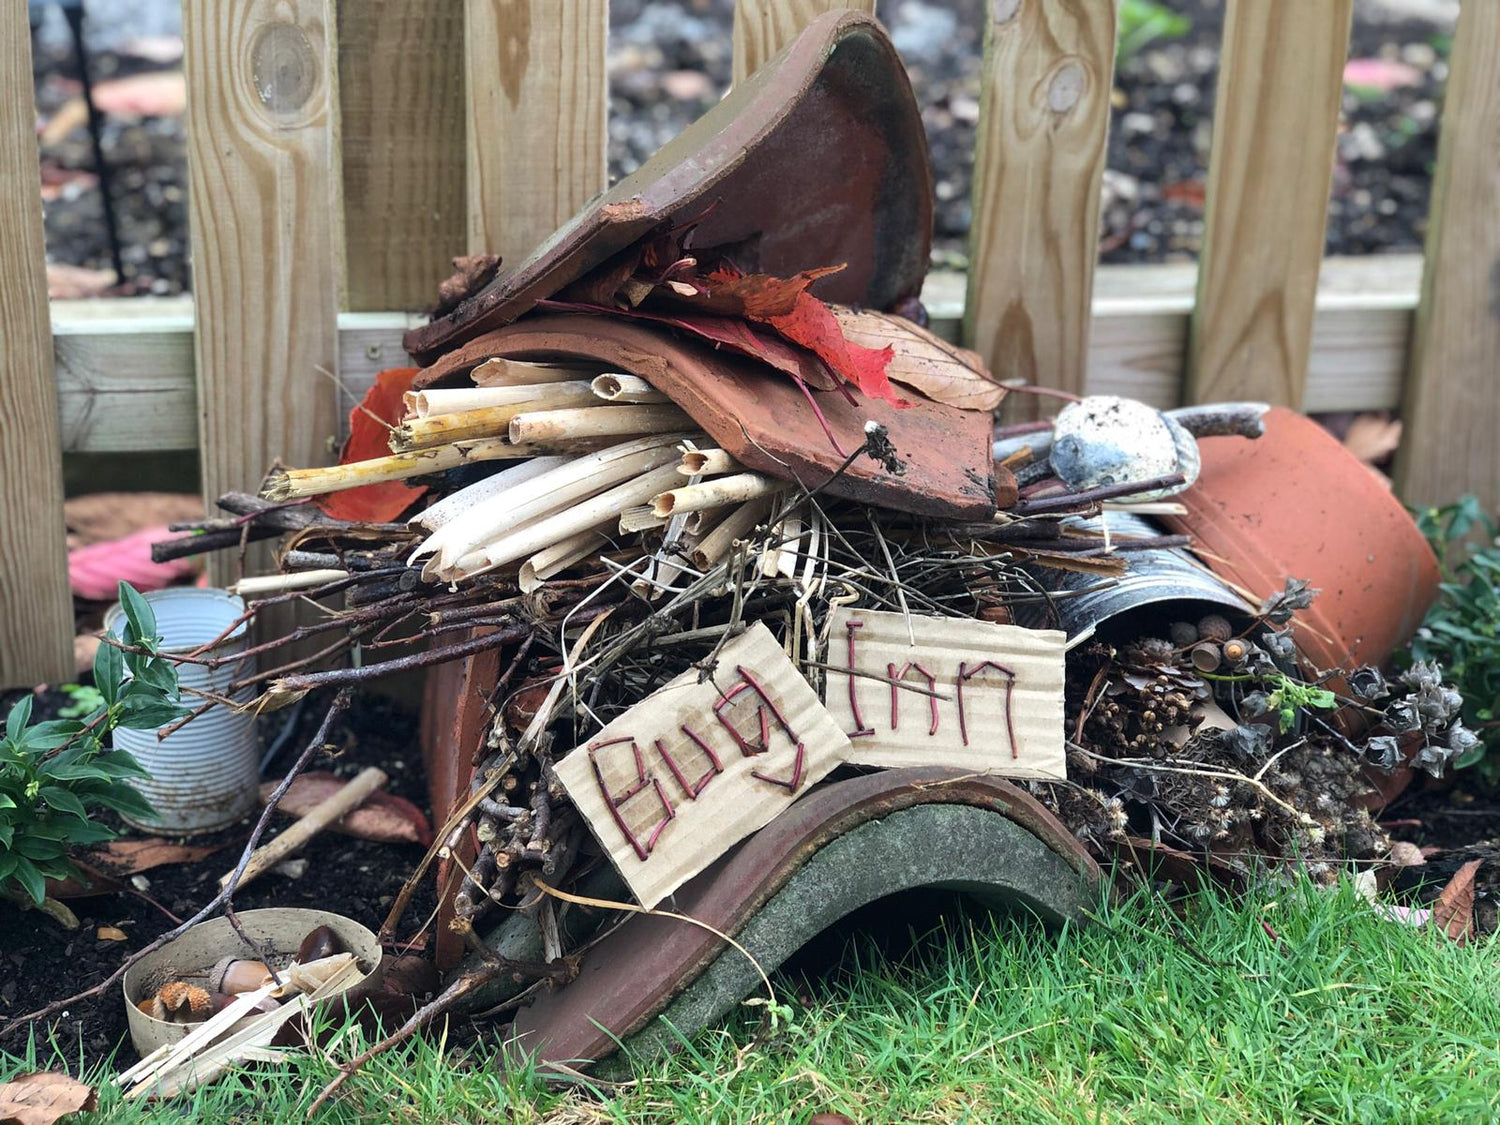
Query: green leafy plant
[(53, 773), (86, 699), (1141, 21), (1462, 629)]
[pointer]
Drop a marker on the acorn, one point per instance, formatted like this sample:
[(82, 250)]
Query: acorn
[(1207, 656), (1184, 634), (319, 943), (1215, 627), (234, 976), (1234, 651)]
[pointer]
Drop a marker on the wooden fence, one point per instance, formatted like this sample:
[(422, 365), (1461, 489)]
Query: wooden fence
[(341, 150)]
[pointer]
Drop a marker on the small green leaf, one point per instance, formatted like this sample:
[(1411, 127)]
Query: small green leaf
[(127, 802), (33, 846), (160, 674), (138, 613), (20, 715), (53, 733), (62, 800), (31, 880), (109, 671)]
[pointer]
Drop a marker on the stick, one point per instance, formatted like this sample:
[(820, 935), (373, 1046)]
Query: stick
[(597, 421), (281, 583), (399, 466), (317, 818), (558, 557), (301, 684), (488, 421), (613, 387), (425, 404), (708, 462), (717, 543), (716, 493)]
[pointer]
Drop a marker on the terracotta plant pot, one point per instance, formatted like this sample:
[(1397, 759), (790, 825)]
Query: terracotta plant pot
[(1295, 503)]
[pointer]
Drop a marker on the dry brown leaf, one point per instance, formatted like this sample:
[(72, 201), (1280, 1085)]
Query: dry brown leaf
[(111, 933), (383, 817), (1453, 913), (107, 867), (43, 1098), (1372, 437), (926, 363), (1406, 854)]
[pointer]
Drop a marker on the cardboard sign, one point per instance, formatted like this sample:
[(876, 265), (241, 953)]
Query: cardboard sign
[(694, 768), (989, 697)]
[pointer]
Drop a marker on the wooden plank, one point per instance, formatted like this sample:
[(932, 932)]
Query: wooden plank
[(994, 702), (763, 27), (126, 380), (266, 241), (1452, 410), (401, 118), (36, 627), (695, 767), (1043, 119), (537, 113), (1275, 118)]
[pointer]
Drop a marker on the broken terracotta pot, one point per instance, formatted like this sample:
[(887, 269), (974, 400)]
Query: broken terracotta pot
[(819, 158), (764, 420), (844, 845), (1297, 504)]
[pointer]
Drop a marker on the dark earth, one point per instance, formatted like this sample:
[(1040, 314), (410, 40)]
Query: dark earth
[(43, 963), (669, 61)]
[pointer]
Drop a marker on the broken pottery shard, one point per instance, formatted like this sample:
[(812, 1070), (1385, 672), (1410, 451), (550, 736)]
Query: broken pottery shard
[(819, 158), (694, 768), (987, 697), (769, 426)]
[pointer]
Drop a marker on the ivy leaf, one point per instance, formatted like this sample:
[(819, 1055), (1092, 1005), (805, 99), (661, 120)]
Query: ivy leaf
[(138, 613)]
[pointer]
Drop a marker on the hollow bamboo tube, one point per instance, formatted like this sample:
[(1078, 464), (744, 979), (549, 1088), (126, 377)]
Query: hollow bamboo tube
[(717, 543), (488, 421), (499, 372), (716, 493), (708, 463), (458, 400), (614, 387), (292, 484), (558, 557), (597, 421), (317, 818), (639, 518), (582, 476), (779, 556), (456, 503), (579, 517), (262, 585)]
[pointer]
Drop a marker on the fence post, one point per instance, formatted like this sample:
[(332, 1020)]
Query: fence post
[(1281, 80), (36, 607), (266, 236), (537, 114), (1452, 408), (401, 117), (1043, 121), (763, 27)]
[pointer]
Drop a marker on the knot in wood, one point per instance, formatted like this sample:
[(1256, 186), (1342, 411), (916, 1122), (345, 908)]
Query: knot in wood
[(1066, 86), (284, 68)]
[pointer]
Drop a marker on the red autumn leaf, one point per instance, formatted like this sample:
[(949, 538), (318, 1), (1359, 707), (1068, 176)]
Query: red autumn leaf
[(813, 325), (1453, 913), (758, 296), (369, 437), (383, 817)]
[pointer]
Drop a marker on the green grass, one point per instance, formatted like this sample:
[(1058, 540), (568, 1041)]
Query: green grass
[(1144, 1017)]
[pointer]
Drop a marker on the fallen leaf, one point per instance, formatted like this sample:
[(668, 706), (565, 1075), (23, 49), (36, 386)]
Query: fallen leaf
[(1453, 913), (1372, 437), (108, 867), (43, 1098), (384, 817), (830, 1119), (111, 933), (1406, 854), (1380, 74), (927, 364), (370, 425)]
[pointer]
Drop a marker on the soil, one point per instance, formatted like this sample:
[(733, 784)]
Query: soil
[(669, 60), (43, 963)]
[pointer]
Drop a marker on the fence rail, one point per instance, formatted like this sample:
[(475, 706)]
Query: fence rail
[(340, 150)]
